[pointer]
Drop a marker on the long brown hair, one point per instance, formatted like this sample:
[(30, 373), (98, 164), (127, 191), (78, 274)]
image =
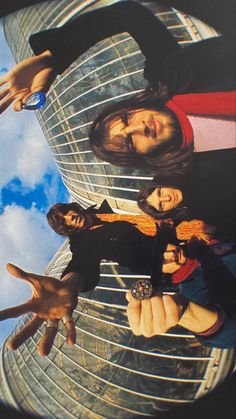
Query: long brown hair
[(167, 157), (179, 213), (55, 217)]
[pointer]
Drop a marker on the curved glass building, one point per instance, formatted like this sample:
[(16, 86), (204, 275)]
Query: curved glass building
[(109, 373)]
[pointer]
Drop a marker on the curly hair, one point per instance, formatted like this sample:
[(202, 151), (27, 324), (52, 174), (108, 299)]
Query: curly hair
[(55, 217), (167, 156)]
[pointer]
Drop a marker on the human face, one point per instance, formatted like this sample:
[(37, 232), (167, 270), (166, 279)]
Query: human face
[(140, 130), (76, 220), (173, 259), (165, 198)]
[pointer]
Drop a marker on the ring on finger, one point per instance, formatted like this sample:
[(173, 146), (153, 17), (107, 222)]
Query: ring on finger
[(67, 319), (141, 289)]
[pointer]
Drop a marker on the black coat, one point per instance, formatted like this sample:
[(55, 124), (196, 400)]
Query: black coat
[(204, 66), (209, 190), (118, 241)]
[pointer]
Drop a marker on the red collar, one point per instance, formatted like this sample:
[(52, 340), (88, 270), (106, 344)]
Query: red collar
[(220, 104), (185, 271)]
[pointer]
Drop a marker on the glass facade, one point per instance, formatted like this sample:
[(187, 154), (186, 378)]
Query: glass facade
[(109, 372), (111, 70)]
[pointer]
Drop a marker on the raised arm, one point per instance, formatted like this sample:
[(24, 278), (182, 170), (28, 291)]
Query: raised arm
[(74, 38), (56, 49)]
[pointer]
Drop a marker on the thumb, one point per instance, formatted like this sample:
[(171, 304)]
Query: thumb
[(133, 302), (17, 105), (128, 296)]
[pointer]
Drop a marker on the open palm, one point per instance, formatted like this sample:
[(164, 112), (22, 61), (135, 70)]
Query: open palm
[(51, 300), (31, 75)]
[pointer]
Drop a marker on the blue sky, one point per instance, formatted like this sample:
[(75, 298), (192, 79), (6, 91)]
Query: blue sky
[(29, 184)]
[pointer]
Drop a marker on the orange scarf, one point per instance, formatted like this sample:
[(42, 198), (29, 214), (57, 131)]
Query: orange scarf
[(148, 226), (143, 223)]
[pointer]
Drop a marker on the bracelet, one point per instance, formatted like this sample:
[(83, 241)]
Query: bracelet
[(216, 326)]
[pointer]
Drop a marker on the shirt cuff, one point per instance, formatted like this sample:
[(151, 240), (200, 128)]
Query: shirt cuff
[(216, 326)]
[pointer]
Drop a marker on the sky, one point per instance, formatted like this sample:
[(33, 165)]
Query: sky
[(29, 184)]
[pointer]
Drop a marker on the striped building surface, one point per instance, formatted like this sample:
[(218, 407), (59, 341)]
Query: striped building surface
[(109, 373)]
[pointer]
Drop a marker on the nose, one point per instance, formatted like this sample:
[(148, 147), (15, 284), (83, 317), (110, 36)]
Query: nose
[(165, 198), (135, 127), (169, 256)]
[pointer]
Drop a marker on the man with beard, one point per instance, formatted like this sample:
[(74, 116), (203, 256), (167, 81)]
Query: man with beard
[(150, 130), (129, 240), (206, 278)]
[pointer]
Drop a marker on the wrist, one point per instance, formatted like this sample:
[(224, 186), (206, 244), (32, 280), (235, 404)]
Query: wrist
[(46, 59), (198, 319), (74, 280)]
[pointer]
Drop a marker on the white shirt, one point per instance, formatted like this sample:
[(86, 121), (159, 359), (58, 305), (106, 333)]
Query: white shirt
[(212, 133)]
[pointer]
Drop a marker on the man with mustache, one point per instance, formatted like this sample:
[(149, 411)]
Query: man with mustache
[(206, 278), (132, 242), (150, 130)]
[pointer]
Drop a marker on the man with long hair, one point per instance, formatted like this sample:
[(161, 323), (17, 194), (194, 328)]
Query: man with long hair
[(129, 240), (207, 193), (205, 276), (150, 130)]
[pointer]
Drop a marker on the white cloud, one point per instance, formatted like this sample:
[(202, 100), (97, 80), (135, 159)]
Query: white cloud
[(27, 241), (24, 153)]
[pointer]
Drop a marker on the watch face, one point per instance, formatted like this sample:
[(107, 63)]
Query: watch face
[(141, 289)]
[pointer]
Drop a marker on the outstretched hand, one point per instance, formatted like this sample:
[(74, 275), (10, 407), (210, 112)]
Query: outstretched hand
[(31, 75), (51, 300)]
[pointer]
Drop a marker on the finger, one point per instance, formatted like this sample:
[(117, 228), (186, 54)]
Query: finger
[(159, 316), (70, 332), (4, 92), (134, 315), (146, 322), (5, 103), (3, 80), (29, 306), (17, 105), (28, 330), (20, 101), (46, 342), (128, 296), (172, 311), (33, 91), (20, 274)]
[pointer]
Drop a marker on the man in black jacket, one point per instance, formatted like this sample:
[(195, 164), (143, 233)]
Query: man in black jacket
[(92, 239), (149, 130)]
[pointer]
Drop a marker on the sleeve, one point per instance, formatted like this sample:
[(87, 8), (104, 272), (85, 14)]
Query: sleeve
[(88, 268), (74, 38), (204, 66), (225, 338)]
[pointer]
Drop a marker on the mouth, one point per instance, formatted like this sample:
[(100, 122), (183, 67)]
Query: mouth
[(179, 258), (174, 198), (80, 222), (156, 126), (151, 128), (177, 255)]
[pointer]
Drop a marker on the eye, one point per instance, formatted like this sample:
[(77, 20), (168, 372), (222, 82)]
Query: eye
[(74, 219), (125, 119), (130, 143)]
